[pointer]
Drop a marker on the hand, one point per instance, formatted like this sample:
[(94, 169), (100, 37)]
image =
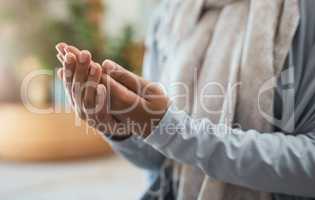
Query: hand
[(139, 103), (87, 96), (134, 104), (77, 65)]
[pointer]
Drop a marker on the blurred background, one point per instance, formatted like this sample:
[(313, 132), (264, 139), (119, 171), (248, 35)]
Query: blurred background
[(52, 155)]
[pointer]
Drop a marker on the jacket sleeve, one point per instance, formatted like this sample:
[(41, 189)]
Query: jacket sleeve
[(274, 163), (139, 153)]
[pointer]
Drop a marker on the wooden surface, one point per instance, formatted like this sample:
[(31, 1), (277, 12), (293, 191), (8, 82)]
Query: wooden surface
[(39, 137)]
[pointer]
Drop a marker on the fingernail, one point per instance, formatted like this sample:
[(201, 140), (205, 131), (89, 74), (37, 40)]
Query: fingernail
[(109, 63), (109, 66), (83, 58), (59, 47)]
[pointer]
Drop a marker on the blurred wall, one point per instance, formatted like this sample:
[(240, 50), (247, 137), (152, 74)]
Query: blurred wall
[(135, 12), (13, 50)]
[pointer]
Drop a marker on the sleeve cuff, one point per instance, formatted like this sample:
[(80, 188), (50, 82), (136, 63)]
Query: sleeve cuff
[(121, 144), (170, 126)]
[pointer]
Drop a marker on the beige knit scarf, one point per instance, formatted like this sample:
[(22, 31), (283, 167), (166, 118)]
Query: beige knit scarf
[(229, 47)]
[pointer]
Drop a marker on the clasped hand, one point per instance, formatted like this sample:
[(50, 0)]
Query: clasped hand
[(111, 99)]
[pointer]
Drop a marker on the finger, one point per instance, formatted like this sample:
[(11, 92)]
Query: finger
[(101, 103), (77, 102), (130, 80), (82, 68), (60, 73), (105, 122), (124, 103), (90, 90), (60, 47), (117, 91), (73, 50), (79, 79), (60, 57), (69, 68)]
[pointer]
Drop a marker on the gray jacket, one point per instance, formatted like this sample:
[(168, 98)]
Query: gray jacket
[(280, 163)]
